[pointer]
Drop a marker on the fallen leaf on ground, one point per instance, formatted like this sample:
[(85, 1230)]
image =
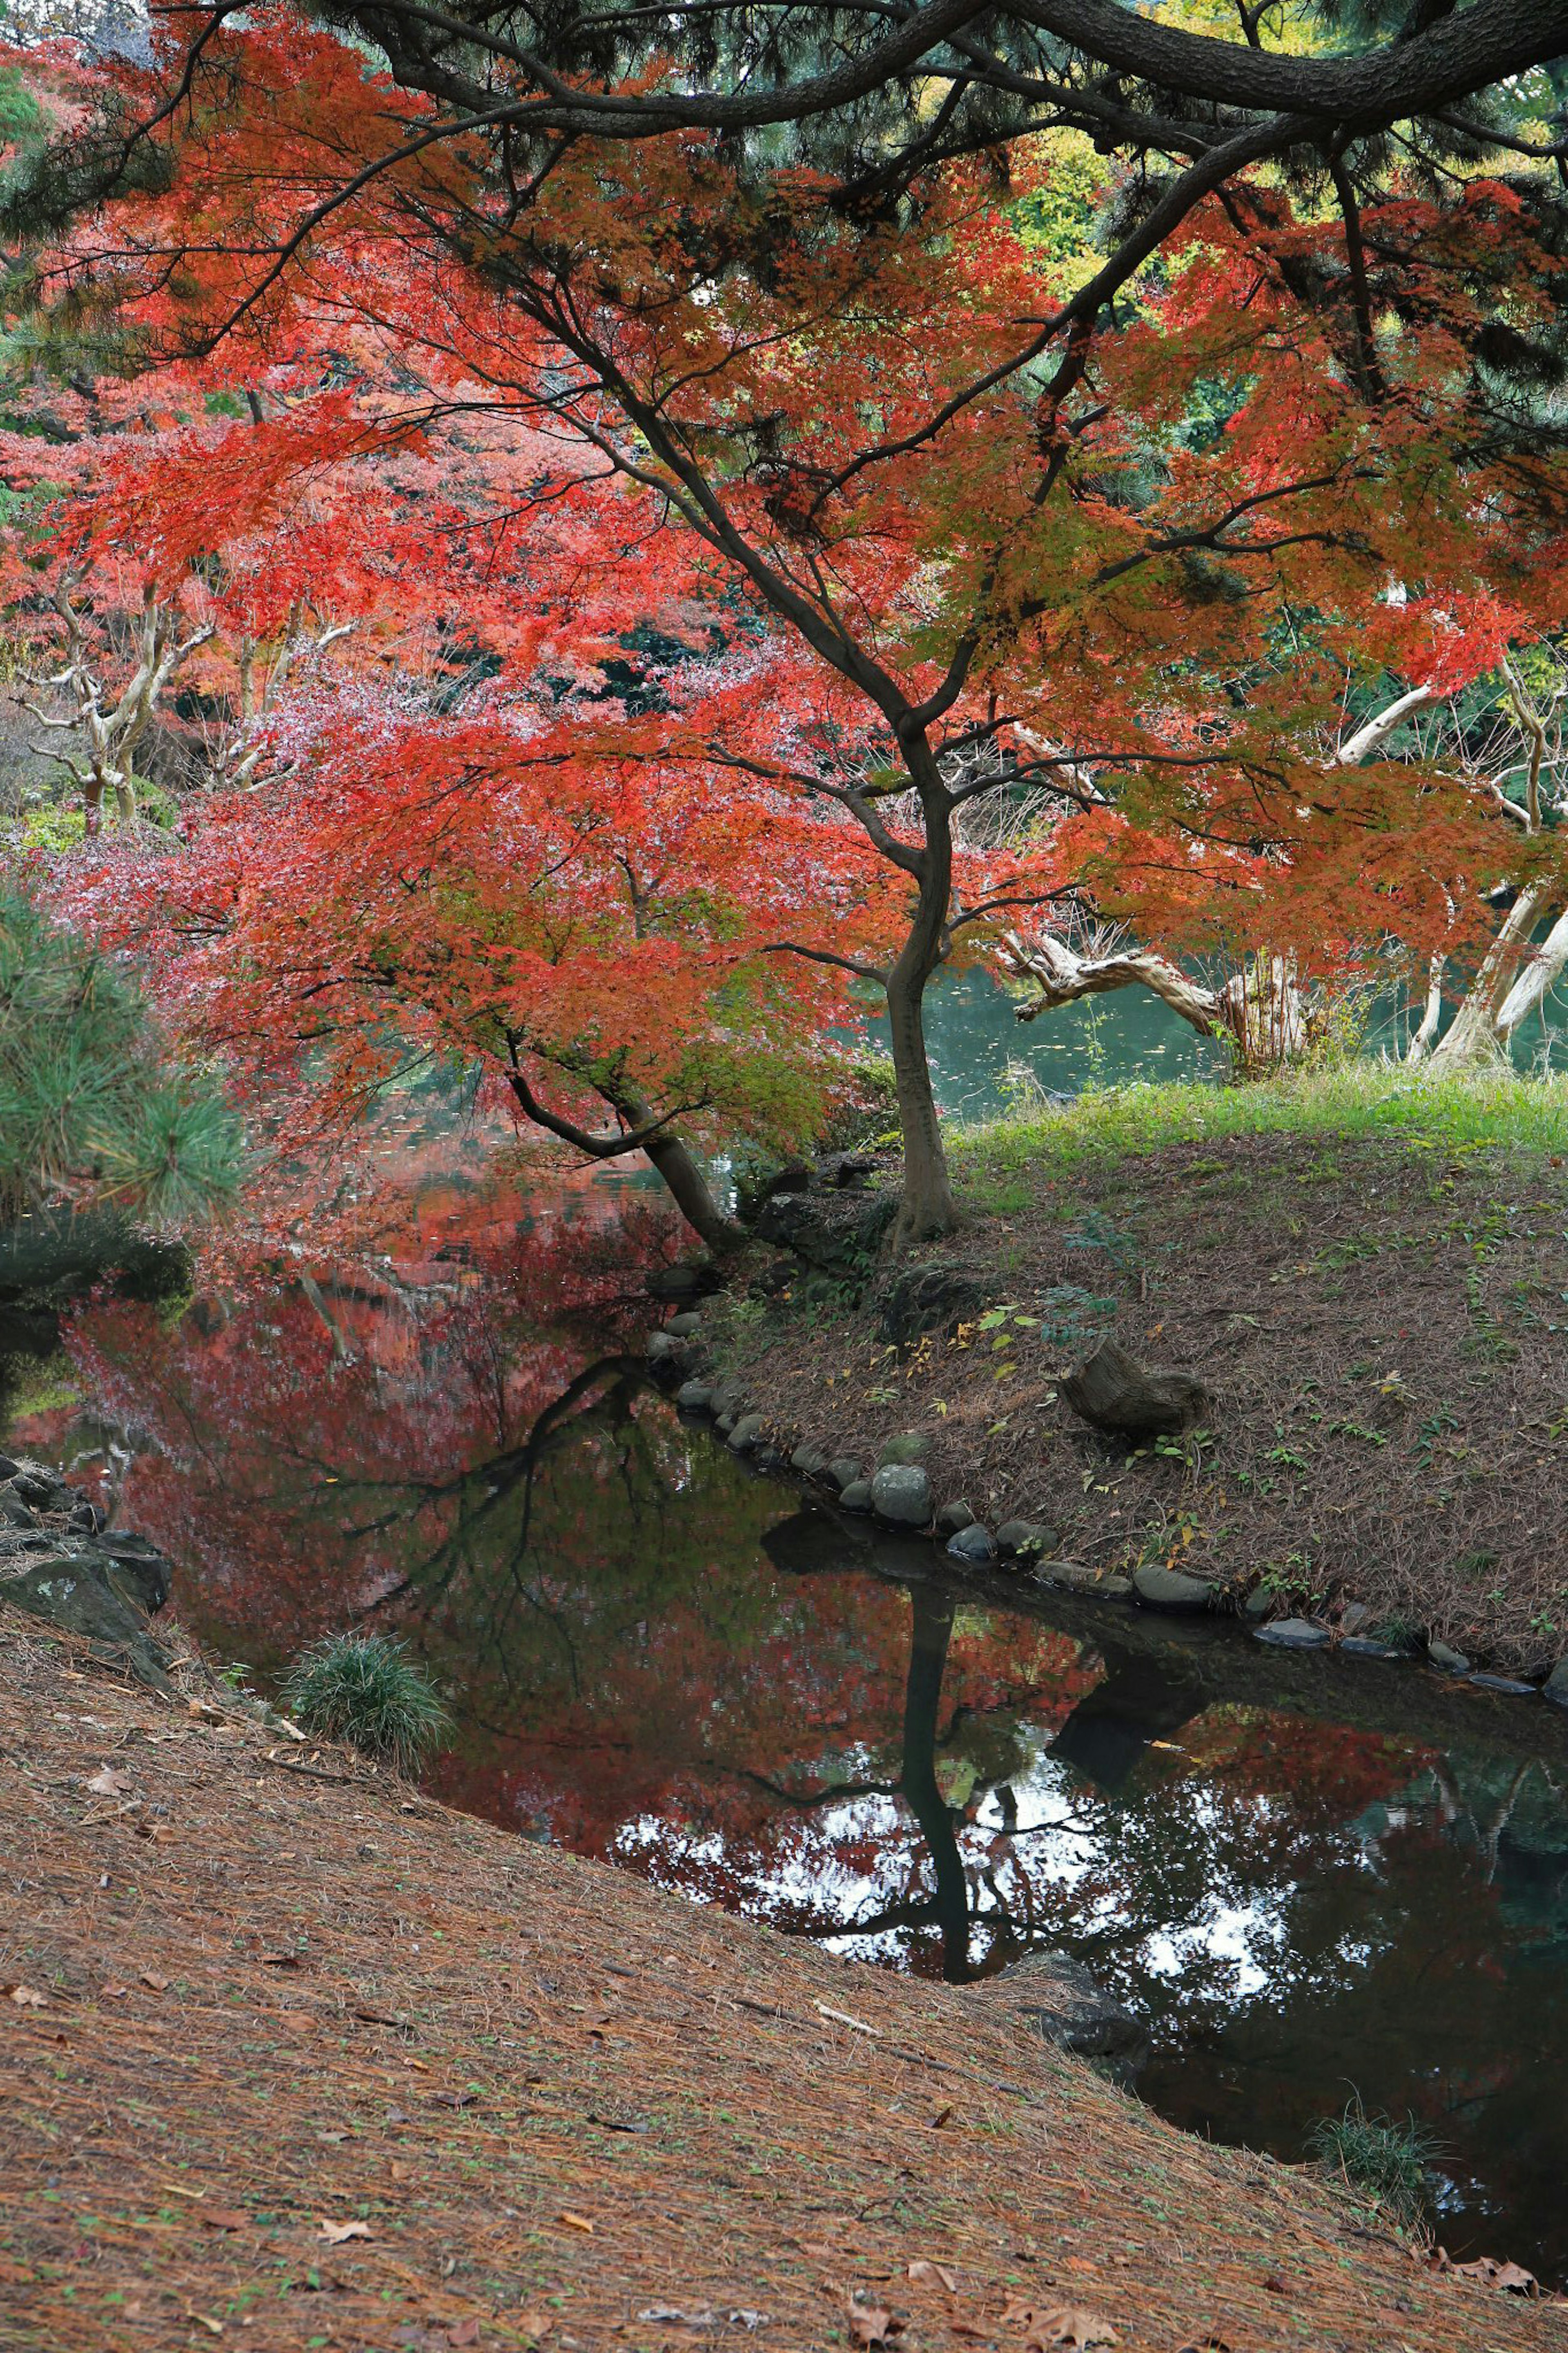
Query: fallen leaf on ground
[(206, 2320), (1042, 2326), (114, 1991), (922, 2270), (1490, 2273), (943, 2116), (534, 2326), (108, 1783), (872, 2324), (151, 1978), (204, 1712), (464, 2332), (575, 2222), (333, 2234), (224, 2217), (286, 1959), (27, 1997)]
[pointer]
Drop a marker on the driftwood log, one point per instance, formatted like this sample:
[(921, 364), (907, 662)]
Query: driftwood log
[(1114, 1393)]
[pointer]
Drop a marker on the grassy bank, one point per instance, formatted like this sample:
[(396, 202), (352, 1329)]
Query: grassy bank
[(294, 2058), (1369, 1276)]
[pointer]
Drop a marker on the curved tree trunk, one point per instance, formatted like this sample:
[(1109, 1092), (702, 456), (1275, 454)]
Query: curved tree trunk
[(664, 1147)]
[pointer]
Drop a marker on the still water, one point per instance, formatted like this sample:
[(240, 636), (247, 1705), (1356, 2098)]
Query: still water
[(1308, 1877)]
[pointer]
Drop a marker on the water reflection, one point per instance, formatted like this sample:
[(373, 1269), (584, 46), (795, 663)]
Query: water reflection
[(1305, 1877)]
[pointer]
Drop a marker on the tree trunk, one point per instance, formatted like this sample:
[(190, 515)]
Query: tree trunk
[(668, 1155), (1476, 1034), (688, 1189), (928, 1207)]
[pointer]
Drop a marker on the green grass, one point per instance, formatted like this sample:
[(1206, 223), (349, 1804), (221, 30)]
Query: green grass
[(1479, 1111), (1386, 2160), (366, 1690)]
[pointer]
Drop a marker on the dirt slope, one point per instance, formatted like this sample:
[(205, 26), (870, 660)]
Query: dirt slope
[(554, 2103)]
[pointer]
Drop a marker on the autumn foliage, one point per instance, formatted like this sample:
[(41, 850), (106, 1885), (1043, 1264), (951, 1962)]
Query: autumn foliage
[(657, 568)]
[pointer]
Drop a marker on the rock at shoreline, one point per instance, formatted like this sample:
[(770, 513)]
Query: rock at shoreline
[(841, 1231), (747, 1432), (901, 1492), (1020, 1538), (1074, 1578), (1555, 1688), (102, 1586), (857, 1495), (1294, 1634), (681, 1327), (694, 1397), (843, 1471), (1454, 1662), (809, 1461), (1510, 1684), (953, 1516), (973, 1543), (1054, 1994), (1170, 1589)]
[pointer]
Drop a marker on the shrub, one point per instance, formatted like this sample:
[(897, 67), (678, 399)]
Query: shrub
[(366, 1690), (1388, 2161)]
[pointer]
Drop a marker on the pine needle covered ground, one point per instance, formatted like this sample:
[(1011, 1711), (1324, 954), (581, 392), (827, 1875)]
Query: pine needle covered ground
[(295, 2058)]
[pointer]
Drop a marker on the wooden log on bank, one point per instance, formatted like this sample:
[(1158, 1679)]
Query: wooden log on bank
[(1113, 1392)]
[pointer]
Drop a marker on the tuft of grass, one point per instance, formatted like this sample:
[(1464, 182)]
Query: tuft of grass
[(1389, 2161), (366, 1690), (1466, 1111)]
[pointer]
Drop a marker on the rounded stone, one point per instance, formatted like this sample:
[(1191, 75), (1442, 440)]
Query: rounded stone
[(809, 1461), (1509, 1683), (1454, 1662), (747, 1432), (1170, 1589), (974, 1542), (1294, 1634), (769, 1458), (857, 1495), (843, 1471), (1555, 1688), (694, 1397), (901, 1492), (663, 1349), (1258, 1602), (1024, 1535), (953, 1516), (725, 1423), (1364, 1646), (681, 1327)]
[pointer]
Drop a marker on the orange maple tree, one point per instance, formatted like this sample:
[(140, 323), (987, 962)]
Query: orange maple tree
[(792, 528)]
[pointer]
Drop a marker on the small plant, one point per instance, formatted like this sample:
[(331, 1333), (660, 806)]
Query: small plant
[(366, 1690), (1389, 2161)]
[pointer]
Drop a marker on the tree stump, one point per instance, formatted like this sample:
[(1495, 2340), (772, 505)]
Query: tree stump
[(1114, 1393)]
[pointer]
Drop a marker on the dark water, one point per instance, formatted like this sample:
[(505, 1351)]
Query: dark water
[(1309, 1878)]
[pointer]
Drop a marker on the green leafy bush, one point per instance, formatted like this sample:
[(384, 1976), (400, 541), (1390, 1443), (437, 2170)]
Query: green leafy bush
[(94, 1110), (366, 1690)]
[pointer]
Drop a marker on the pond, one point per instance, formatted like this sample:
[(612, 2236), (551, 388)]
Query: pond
[(1311, 1879)]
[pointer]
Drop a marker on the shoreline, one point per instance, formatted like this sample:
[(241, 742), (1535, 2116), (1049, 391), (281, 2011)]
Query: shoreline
[(1375, 1453)]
